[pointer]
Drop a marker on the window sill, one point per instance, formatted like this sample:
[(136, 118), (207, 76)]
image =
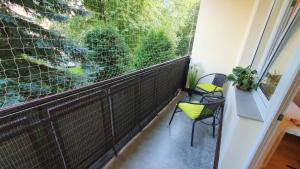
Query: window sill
[(246, 106)]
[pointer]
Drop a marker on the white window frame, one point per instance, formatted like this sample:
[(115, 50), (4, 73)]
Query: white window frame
[(283, 20)]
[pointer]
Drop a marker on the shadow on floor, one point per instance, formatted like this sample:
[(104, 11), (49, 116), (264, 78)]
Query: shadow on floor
[(160, 146)]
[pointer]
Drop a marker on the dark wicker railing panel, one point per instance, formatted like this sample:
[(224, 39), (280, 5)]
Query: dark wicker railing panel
[(27, 144), (80, 126), (179, 81), (147, 98), (164, 86), (16, 144), (84, 127), (125, 107)]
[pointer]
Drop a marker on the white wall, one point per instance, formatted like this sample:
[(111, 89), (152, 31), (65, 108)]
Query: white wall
[(220, 31), (238, 150), (238, 135), (227, 35), (241, 143), (293, 111)]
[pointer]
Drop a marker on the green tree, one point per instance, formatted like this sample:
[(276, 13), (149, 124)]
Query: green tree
[(30, 64), (155, 48), (126, 15), (44, 60), (186, 31), (183, 46), (108, 50)]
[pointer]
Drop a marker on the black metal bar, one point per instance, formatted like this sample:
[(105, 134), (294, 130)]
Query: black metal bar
[(214, 126), (218, 144), (193, 128), (173, 115)]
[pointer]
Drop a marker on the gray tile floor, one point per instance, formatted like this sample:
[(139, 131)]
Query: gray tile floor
[(160, 146)]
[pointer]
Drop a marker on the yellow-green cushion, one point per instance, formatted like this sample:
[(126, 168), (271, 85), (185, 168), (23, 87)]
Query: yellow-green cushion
[(193, 111), (209, 87)]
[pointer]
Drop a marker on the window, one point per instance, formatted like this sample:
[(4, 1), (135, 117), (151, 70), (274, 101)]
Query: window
[(269, 36), (271, 58), (273, 74)]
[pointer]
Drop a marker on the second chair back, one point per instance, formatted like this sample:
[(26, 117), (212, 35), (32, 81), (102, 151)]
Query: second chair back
[(219, 79), (211, 105)]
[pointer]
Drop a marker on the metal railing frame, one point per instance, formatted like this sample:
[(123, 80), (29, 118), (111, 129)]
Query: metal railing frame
[(41, 114)]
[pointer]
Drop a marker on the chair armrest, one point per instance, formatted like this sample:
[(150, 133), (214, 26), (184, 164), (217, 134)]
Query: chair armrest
[(205, 76), (211, 95), (214, 91), (189, 102), (210, 75), (212, 99)]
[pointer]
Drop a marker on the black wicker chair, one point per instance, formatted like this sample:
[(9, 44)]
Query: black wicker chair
[(209, 107), (211, 88)]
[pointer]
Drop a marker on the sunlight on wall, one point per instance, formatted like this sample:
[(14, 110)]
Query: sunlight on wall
[(221, 28)]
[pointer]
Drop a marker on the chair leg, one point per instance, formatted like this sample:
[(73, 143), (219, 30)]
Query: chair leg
[(190, 97), (173, 115), (192, 138), (214, 126)]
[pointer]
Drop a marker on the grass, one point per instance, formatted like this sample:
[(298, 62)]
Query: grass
[(77, 70), (192, 77)]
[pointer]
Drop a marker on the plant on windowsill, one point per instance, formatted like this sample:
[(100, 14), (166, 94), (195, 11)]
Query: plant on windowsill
[(243, 78), (192, 79)]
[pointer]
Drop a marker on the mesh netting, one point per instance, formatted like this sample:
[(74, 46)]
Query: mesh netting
[(87, 128), (51, 46)]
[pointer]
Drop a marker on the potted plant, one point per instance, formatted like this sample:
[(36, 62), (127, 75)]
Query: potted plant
[(243, 78), (192, 79)]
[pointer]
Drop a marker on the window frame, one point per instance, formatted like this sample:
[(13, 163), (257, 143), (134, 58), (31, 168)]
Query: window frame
[(283, 24)]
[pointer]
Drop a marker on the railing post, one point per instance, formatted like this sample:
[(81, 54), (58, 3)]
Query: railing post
[(185, 75)]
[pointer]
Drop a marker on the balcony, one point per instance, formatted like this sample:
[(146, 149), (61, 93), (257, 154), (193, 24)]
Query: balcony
[(159, 145), (84, 87), (92, 84), (122, 122)]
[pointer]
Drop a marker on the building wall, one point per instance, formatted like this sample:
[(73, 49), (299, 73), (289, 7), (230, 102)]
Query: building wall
[(243, 138), (220, 32), (227, 35), (293, 111), (239, 135)]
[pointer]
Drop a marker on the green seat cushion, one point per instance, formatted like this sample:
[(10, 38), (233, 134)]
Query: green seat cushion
[(209, 87), (193, 111)]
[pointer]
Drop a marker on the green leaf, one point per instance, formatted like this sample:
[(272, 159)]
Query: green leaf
[(231, 77), (243, 77)]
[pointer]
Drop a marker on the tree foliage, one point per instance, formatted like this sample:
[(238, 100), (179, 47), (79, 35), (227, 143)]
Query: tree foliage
[(108, 49), (183, 46), (30, 54), (51, 46), (155, 48)]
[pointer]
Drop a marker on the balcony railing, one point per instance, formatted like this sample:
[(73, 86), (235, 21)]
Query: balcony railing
[(86, 127)]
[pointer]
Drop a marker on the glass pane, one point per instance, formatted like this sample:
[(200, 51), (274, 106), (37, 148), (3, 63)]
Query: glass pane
[(281, 58), (266, 37)]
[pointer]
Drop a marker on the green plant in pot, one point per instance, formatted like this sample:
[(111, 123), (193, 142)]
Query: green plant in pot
[(243, 78), (192, 79)]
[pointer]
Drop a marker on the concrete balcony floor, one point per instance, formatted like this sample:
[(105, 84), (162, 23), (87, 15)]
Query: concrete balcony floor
[(160, 146)]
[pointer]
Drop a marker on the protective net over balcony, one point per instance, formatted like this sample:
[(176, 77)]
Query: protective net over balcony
[(51, 46)]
